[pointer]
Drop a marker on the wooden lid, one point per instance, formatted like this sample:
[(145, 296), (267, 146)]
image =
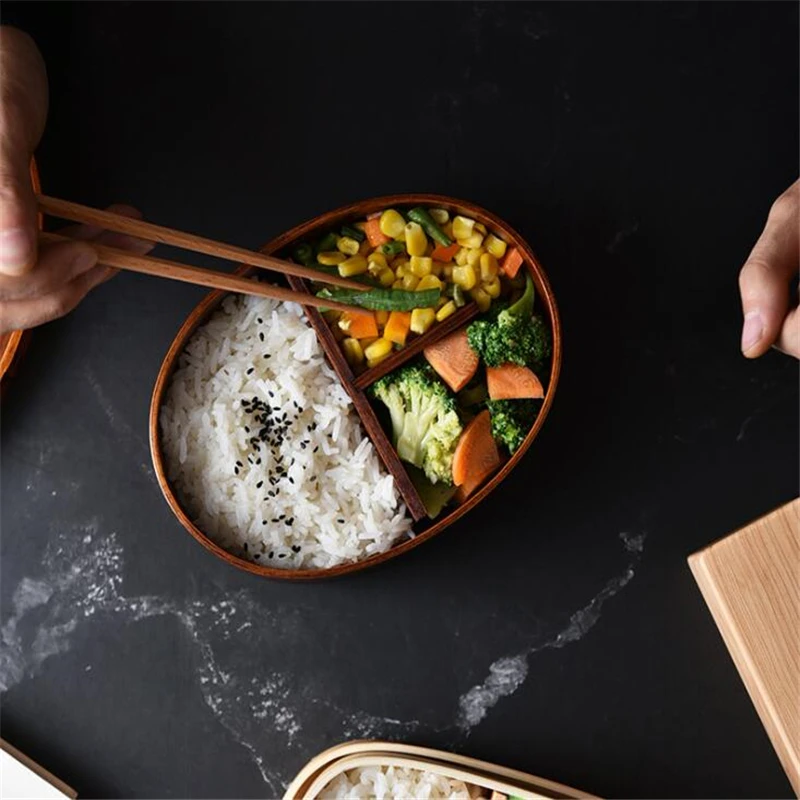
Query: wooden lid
[(751, 582)]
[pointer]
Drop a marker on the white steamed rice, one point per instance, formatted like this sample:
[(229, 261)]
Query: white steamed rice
[(335, 502), (395, 783)]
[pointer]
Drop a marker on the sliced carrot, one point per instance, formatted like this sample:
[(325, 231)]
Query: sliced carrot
[(476, 456), (445, 254), (453, 359), (397, 327), (512, 382), (511, 262), (359, 324), (372, 227)]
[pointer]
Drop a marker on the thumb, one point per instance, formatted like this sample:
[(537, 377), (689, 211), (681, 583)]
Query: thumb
[(764, 280), (17, 211)]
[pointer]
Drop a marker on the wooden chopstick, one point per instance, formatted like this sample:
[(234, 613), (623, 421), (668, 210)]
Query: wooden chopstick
[(189, 241), (147, 265)]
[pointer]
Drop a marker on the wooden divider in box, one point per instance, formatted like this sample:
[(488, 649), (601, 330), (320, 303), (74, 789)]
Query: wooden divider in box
[(417, 345), (364, 408)]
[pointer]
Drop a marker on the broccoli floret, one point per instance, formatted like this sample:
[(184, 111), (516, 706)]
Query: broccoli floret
[(425, 423), (514, 335), (512, 419)]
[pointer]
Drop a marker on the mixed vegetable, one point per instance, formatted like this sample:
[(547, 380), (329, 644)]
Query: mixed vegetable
[(421, 266), (459, 410), (456, 413)]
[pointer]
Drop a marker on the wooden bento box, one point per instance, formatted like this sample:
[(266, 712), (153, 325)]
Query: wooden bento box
[(483, 780), (357, 384)]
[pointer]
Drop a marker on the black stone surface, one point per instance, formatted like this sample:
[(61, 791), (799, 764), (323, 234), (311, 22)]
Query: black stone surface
[(638, 147)]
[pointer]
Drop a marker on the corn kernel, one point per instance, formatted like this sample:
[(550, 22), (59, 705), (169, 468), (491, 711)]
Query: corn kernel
[(376, 257), (422, 319), (398, 285), (421, 266), (489, 267), (386, 277), (465, 277), (353, 352), (355, 265), (345, 244), (440, 215), (462, 227), (416, 241), (492, 287), (400, 262), (392, 223), (448, 230), (497, 247), (429, 282), (480, 227), (447, 310), (461, 256), (365, 343), (381, 317), (410, 281), (474, 257), (474, 241), (331, 258), (481, 298), (377, 351), (447, 272)]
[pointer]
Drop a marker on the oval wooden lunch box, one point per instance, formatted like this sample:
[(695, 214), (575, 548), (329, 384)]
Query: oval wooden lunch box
[(424, 528), (487, 780), (12, 344)]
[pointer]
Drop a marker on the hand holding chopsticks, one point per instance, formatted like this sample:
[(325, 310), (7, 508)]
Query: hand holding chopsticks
[(149, 265)]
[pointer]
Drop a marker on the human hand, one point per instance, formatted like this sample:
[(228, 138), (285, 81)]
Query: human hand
[(37, 284), (767, 281)]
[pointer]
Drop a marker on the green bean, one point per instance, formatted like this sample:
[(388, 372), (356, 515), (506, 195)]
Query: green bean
[(353, 233), (383, 299), (393, 249), (422, 217), (304, 254), (327, 243)]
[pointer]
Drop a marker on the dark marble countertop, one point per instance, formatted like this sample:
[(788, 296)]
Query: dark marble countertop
[(557, 628)]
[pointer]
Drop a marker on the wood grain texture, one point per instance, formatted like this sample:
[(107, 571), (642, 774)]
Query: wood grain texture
[(188, 241), (171, 270), (751, 583), (546, 304)]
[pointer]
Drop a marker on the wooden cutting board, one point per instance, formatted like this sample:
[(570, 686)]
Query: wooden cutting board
[(751, 582)]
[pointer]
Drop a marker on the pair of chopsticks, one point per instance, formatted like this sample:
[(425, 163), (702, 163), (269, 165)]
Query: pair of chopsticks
[(121, 259)]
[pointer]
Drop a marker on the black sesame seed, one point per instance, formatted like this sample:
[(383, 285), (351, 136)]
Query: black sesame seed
[(245, 547), (340, 521), (251, 371), (259, 484), (257, 555), (246, 429), (281, 555), (296, 548), (261, 336), (315, 449), (236, 470), (263, 522), (291, 480), (271, 553), (260, 321)]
